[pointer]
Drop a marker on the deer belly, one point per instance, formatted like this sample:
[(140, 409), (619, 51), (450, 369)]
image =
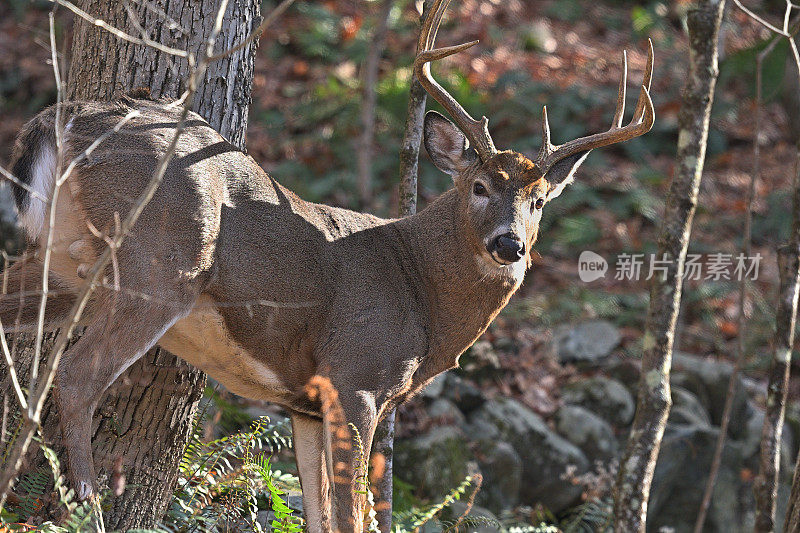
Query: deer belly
[(203, 340)]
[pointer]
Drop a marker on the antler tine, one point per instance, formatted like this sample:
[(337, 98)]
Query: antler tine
[(638, 114), (547, 146), (477, 131), (623, 86), (642, 121), (430, 25)]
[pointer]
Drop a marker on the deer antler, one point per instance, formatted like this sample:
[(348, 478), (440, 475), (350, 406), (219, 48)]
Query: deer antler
[(477, 131), (643, 118)]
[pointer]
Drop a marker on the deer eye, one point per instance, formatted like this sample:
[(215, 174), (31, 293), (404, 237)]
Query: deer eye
[(479, 189), (539, 203)]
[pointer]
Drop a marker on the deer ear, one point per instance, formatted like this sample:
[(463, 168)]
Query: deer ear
[(447, 146), (562, 173)]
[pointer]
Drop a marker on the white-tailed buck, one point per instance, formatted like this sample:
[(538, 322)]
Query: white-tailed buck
[(272, 295)]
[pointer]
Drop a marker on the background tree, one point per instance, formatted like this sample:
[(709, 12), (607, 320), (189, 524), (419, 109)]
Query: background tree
[(639, 460)]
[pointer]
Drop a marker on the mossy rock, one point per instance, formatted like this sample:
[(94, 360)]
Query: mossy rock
[(435, 462)]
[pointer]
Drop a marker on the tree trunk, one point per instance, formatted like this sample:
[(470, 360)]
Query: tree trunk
[(790, 96), (147, 416), (383, 442), (632, 488), (789, 267), (370, 71), (105, 67)]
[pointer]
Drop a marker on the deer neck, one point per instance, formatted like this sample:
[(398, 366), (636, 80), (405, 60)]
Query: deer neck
[(463, 294)]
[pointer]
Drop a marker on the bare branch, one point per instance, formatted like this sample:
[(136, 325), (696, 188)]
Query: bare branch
[(13, 179), (12, 371), (59, 157), (269, 19), (747, 239), (760, 20)]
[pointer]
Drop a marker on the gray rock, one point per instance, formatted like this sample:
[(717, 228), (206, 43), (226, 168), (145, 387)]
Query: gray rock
[(750, 441), (603, 396), (446, 412), (593, 435), (502, 476), (680, 478), (484, 354), (682, 472), (588, 342), (545, 456), (708, 380), (434, 462), (435, 388), (626, 370), (687, 410), (11, 236), (793, 421), (461, 392)]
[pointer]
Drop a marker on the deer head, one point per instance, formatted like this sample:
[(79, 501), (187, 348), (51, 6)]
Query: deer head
[(503, 192)]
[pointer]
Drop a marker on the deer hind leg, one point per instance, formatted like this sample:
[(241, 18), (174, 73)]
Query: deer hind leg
[(121, 330), (19, 305), (309, 450)]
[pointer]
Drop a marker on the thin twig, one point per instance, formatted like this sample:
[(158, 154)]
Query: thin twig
[(760, 20), (52, 205), (12, 371), (13, 179), (172, 24), (119, 33)]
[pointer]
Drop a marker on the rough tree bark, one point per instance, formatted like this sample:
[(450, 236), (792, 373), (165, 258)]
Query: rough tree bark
[(789, 270), (412, 138), (146, 417), (766, 485), (632, 489)]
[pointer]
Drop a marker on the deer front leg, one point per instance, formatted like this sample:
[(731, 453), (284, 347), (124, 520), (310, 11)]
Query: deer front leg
[(349, 463), (309, 450)]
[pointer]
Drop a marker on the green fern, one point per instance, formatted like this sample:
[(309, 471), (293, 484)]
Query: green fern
[(593, 516), (221, 481), (285, 521), (414, 518), (34, 486), (37, 487)]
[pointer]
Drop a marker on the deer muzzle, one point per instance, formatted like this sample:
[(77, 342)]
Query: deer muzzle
[(507, 248)]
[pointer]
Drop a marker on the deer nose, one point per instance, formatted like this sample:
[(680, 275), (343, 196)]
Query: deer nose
[(508, 247)]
